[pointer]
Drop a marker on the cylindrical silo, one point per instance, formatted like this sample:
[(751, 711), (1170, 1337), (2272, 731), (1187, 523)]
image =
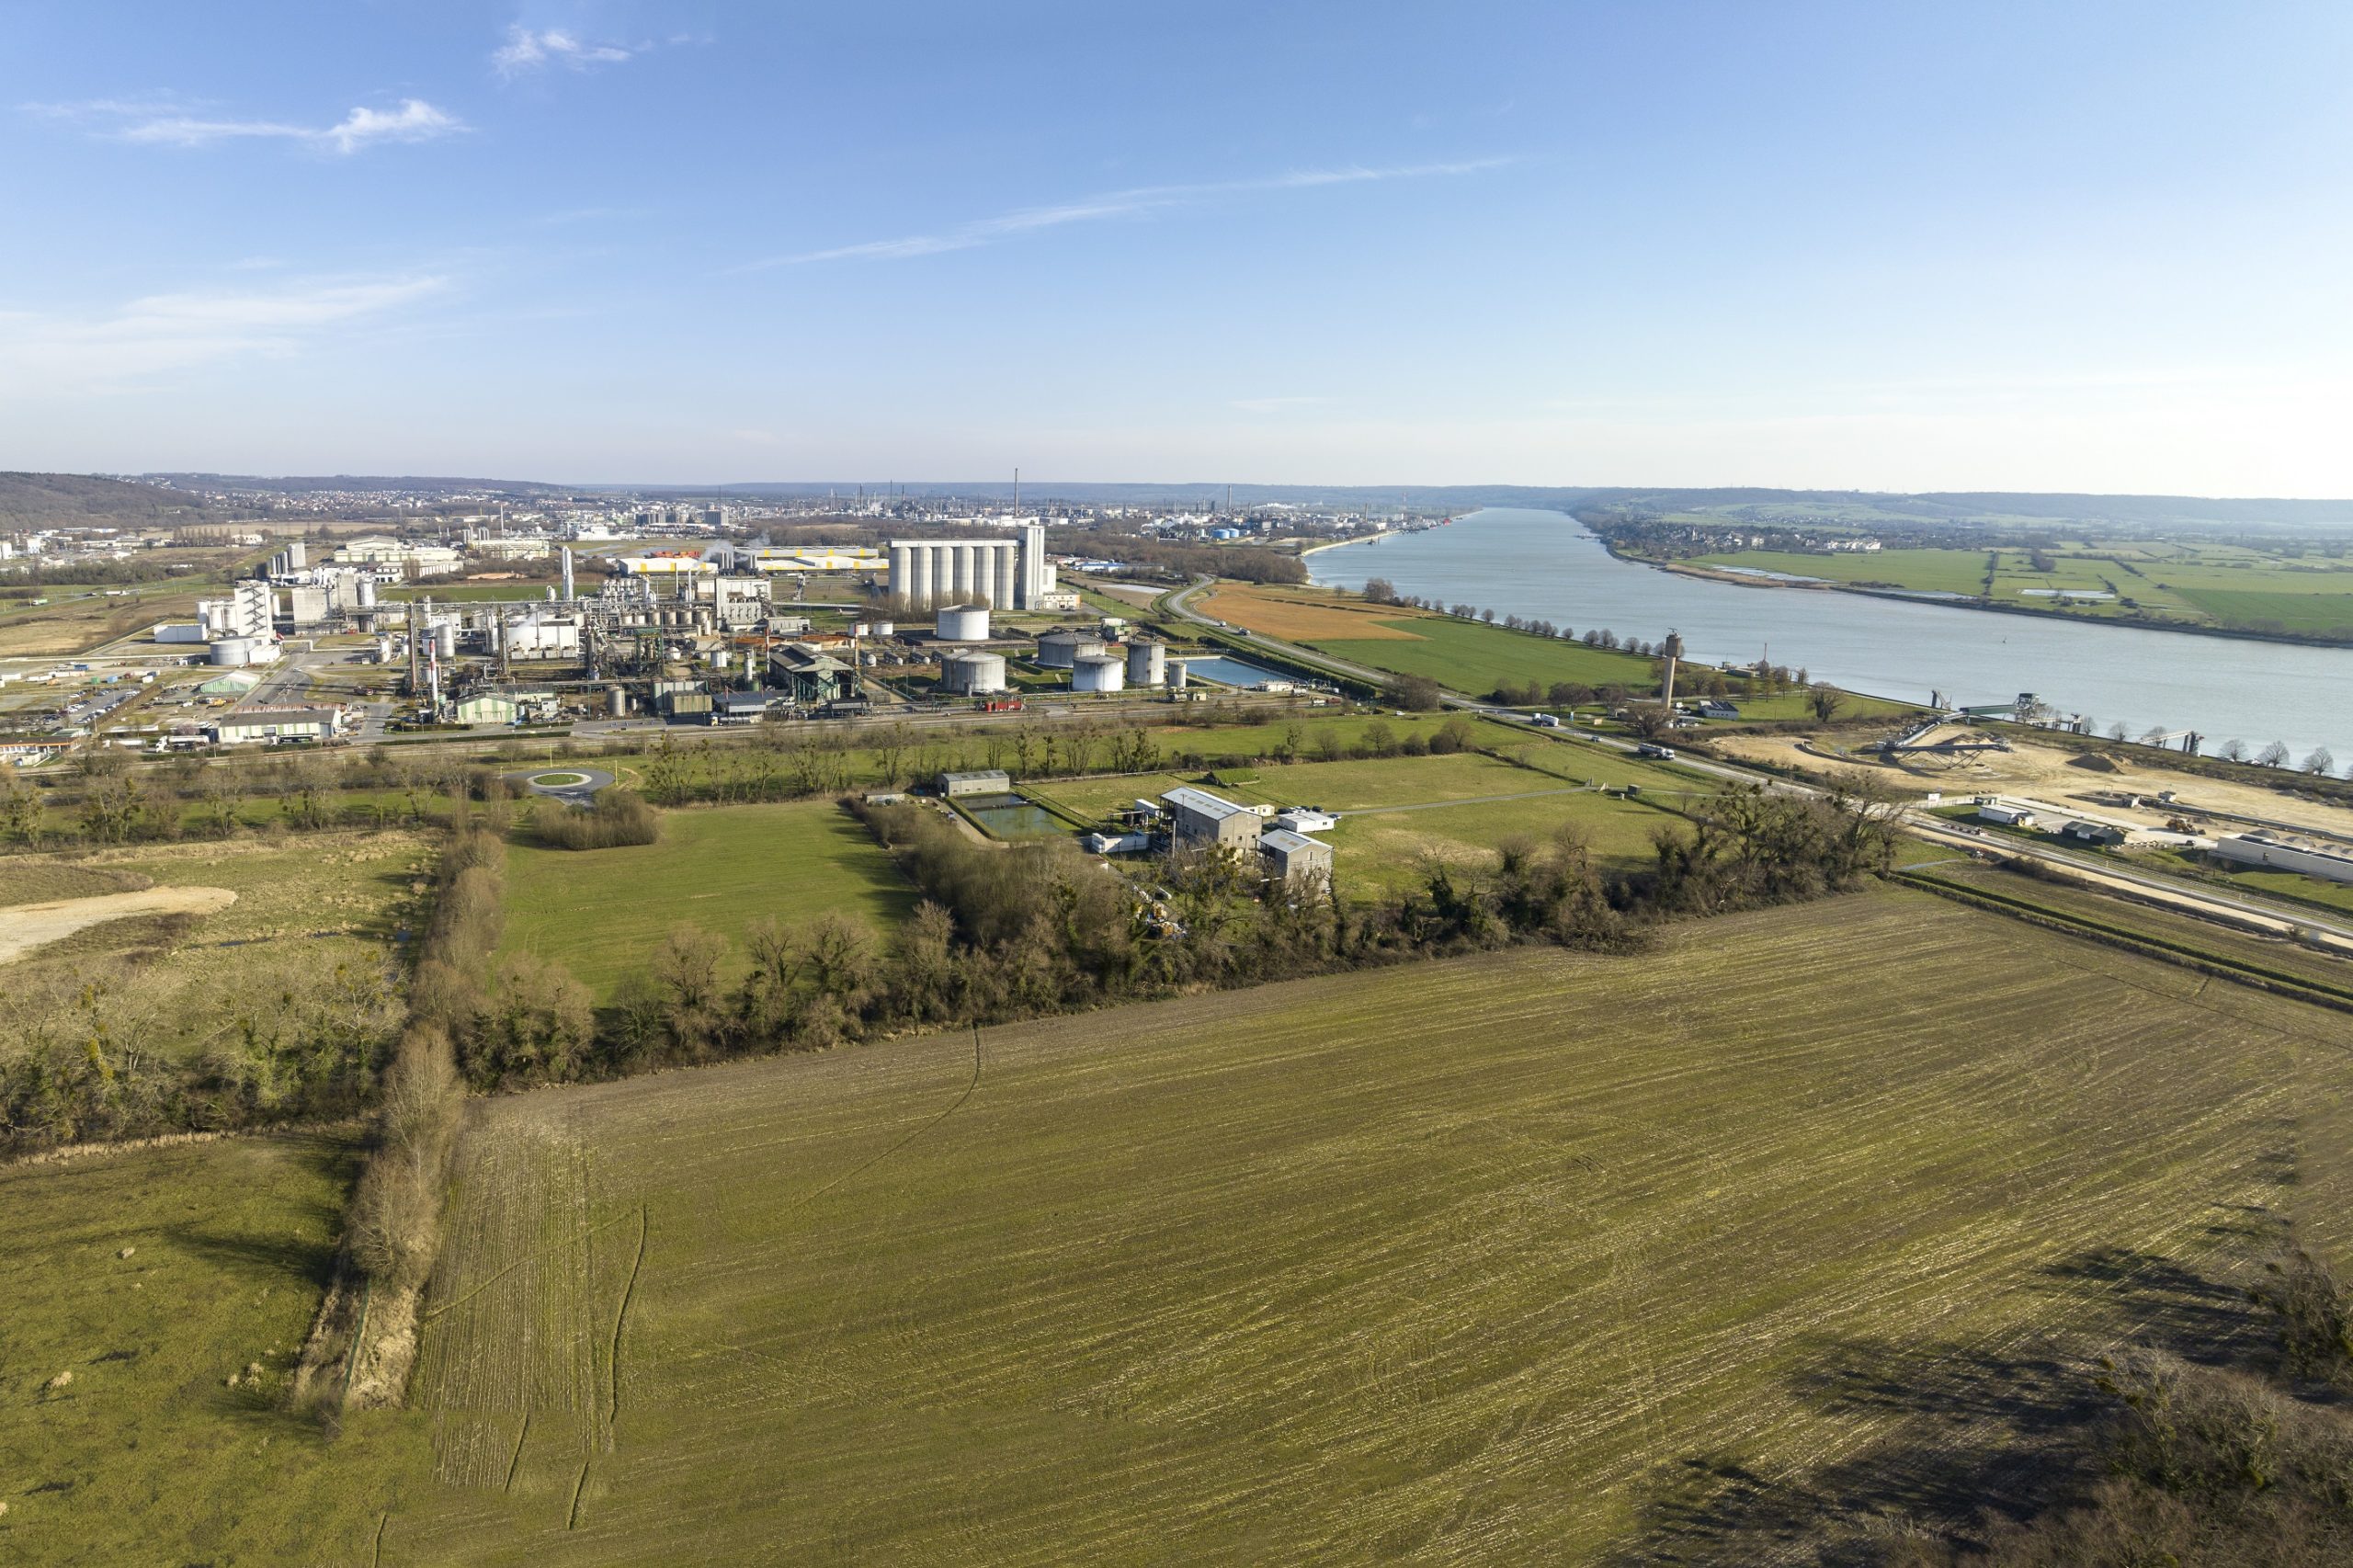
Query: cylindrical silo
[(1000, 590), (445, 639), (920, 593), (1147, 663), (902, 572), (367, 592), (1098, 672), (1177, 676), (886, 629), (962, 624), (973, 674), (233, 650)]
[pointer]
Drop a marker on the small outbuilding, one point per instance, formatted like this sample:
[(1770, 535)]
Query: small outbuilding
[(986, 781), (1293, 857)]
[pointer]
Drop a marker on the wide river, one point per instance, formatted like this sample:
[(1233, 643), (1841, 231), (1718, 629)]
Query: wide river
[(1548, 566)]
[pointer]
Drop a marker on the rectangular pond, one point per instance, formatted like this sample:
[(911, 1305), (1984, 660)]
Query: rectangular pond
[(1229, 672), (1011, 817)]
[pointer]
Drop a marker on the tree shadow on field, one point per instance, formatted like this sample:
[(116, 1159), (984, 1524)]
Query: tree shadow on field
[(1973, 1433), (276, 1251)]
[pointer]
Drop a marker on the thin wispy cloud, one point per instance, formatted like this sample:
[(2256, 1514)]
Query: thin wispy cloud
[(526, 50), (167, 123), (159, 334), (1139, 202)]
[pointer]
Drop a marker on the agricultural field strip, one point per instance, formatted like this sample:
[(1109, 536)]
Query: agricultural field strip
[(1215, 1310)]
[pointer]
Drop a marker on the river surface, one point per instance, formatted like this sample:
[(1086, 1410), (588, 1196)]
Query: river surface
[(1548, 566)]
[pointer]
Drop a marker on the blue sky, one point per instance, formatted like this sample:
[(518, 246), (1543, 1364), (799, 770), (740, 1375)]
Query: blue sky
[(1903, 246)]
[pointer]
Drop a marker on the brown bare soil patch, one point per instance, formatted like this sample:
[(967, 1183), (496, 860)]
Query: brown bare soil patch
[(1278, 613), (25, 926)]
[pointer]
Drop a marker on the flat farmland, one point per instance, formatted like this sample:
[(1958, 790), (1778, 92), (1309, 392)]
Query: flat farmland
[(78, 620), (1531, 1257), (1384, 850), (602, 912), (1466, 656), (149, 1278), (1923, 571)]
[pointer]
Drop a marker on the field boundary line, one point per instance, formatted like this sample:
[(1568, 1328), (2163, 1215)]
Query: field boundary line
[(2148, 945), (515, 1463), (799, 1204), (613, 1369)]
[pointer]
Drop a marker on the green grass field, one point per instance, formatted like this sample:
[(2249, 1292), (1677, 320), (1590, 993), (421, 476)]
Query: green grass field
[(1526, 1256), (148, 1455), (1466, 656), (601, 911), (1922, 571), (2218, 585)]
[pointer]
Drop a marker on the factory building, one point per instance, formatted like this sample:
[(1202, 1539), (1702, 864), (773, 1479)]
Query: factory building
[(483, 707), (248, 611), (1199, 819), (2309, 859), (972, 674), (1007, 574), (418, 559), (270, 724), (543, 637), (812, 678), (307, 605), (739, 603)]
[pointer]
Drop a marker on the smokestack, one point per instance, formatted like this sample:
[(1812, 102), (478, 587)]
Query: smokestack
[(567, 570)]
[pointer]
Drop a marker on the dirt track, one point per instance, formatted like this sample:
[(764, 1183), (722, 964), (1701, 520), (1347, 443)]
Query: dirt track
[(2054, 773), (25, 927)]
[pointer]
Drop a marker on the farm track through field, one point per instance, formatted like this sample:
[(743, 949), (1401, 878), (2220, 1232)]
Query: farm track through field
[(1512, 1258)]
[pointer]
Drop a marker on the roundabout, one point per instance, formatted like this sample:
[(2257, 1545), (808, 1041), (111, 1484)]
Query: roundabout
[(573, 786)]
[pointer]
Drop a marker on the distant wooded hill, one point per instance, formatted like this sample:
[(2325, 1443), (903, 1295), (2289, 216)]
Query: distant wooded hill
[(66, 500)]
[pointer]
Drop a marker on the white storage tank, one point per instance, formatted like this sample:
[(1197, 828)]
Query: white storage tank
[(234, 650), (963, 623), (973, 675), (886, 629), (445, 639), (367, 592), (1098, 672), (1147, 663), (1061, 650)]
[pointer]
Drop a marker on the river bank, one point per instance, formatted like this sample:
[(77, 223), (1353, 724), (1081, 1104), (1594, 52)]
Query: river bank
[(1543, 563), (1962, 602)]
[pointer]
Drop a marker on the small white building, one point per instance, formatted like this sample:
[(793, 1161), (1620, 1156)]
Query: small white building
[(2007, 816)]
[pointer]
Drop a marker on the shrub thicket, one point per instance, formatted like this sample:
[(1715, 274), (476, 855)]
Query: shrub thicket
[(617, 818)]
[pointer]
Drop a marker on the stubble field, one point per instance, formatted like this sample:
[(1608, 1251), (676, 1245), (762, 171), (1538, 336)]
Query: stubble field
[(1531, 1257)]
